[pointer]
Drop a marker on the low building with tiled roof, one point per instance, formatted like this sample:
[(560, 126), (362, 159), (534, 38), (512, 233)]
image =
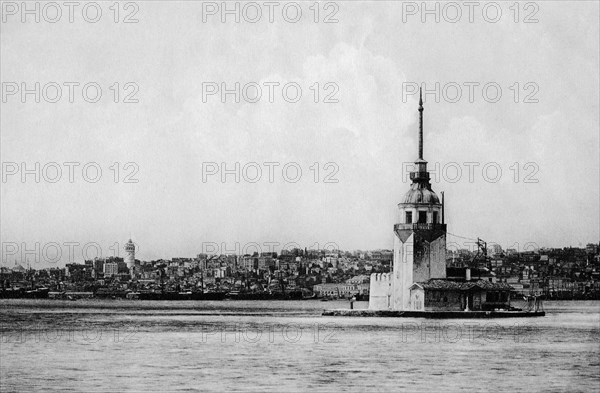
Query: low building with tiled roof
[(449, 295)]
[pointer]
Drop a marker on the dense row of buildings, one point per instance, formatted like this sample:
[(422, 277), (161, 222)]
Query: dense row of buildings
[(557, 273), (265, 272)]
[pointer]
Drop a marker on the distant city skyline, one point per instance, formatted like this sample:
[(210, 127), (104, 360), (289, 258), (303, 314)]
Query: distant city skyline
[(16, 255)]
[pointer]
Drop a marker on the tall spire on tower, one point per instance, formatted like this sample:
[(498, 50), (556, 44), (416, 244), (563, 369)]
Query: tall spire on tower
[(420, 176), (420, 125)]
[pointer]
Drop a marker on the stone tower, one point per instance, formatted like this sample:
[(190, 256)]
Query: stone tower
[(130, 256), (419, 240)]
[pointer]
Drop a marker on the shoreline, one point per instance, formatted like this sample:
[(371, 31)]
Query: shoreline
[(231, 307), (433, 314), (215, 305)]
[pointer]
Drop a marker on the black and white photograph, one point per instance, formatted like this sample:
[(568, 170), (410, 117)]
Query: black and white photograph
[(300, 196)]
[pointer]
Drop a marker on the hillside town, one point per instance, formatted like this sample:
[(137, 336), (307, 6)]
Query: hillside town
[(566, 273)]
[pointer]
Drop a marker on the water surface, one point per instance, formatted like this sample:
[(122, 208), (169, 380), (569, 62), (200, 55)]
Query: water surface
[(158, 346)]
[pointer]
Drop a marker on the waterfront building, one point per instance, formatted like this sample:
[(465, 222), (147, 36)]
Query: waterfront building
[(111, 269), (340, 290), (360, 279), (419, 240), (98, 264), (448, 295), (249, 262)]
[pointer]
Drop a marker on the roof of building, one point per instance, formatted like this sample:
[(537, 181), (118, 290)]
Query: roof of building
[(419, 193), (441, 284)]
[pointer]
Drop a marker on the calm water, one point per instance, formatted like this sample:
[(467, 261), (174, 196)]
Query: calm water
[(140, 346)]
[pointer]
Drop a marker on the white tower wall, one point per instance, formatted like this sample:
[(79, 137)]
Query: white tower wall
[(380, 291), (130, 255)]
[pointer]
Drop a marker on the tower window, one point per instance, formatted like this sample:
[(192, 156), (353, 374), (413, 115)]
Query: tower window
[(435, 217), (409, 217), (423, 217)]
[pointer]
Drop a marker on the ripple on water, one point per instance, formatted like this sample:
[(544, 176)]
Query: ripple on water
[(166, 349)]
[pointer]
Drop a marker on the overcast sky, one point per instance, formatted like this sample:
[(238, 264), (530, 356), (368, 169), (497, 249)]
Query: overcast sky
[(368, 57)]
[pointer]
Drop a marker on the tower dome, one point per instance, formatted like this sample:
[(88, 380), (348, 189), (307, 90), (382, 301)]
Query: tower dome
[(420, 193)]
